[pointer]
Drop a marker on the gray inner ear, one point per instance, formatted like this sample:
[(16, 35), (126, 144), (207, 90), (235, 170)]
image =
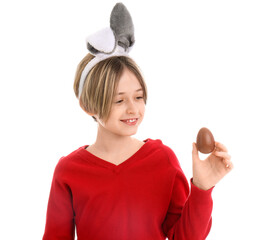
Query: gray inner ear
[(92, 49), (122, 25)]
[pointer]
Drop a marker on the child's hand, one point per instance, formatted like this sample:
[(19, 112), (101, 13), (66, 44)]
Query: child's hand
[(208, 172)]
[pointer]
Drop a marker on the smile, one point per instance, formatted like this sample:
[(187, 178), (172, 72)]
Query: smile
[(131, 121)]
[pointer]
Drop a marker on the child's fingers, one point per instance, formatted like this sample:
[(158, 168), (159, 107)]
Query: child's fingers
[(228, 164), (226, 159), (224, 155), (220, 146)]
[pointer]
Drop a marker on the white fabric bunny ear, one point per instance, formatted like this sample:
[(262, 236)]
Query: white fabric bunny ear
[(102, 41), (117, 40)]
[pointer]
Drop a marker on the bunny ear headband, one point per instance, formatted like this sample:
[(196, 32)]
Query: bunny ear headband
[(116, 40)]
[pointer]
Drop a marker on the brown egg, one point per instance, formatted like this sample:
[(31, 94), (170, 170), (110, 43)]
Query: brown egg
[(205, 141)]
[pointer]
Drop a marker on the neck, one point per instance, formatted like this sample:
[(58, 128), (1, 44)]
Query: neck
[(109, 142)]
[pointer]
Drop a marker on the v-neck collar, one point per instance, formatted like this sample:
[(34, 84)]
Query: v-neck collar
[(104, 163)]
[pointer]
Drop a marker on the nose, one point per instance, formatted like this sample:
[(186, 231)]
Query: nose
[(131, 107)]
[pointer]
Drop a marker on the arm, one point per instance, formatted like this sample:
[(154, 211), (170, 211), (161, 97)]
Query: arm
[(189, 214), (60, 215)]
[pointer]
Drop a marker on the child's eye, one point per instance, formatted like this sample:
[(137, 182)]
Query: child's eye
[(139, 97), (119, 101)]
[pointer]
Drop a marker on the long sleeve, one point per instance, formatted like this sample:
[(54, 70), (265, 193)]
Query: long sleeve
[(60, 214), (189, 213)]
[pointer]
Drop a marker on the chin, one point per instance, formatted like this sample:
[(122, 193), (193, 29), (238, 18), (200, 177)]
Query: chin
[(128, 133)]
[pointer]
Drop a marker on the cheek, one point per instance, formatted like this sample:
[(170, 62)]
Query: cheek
[(116, 113), (142, 107)]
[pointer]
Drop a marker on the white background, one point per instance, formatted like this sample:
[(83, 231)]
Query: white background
[(206, 64)]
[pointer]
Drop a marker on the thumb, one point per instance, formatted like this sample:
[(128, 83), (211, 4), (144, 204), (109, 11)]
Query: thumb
[(195, 154)]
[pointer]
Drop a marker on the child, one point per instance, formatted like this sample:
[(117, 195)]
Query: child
[(120, 187)]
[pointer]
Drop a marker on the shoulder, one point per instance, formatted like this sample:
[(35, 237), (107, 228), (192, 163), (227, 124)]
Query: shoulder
[(66, 162), (172, 159), (166, 151)]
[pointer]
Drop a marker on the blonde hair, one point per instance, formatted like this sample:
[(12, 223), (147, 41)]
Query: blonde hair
[(101, 83)]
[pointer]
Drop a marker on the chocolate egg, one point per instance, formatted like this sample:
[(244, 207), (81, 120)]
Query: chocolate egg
[(205, 141)]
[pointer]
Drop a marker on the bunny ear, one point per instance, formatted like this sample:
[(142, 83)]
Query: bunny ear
[(102, 41), (122, 25), (117, 40)]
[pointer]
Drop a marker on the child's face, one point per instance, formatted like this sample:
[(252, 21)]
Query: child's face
[(128, 107)]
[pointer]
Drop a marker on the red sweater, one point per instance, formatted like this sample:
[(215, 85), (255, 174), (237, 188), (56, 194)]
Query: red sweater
[(146, 197)]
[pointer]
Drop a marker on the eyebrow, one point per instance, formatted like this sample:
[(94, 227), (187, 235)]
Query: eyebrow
[(138, 90)]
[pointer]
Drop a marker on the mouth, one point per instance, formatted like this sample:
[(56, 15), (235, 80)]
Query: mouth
[(130, 121)]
